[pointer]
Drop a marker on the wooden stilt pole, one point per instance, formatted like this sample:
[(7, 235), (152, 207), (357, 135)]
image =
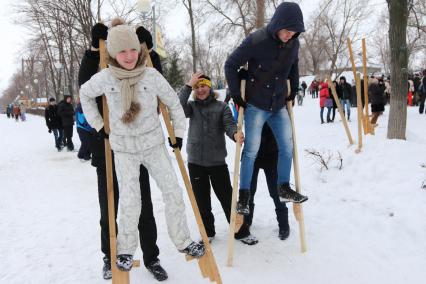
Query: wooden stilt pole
[(358, 88), (297, 208), (207, 262), (339, 107), (118, 276), (369, 128), (359, 108), (234, 217)]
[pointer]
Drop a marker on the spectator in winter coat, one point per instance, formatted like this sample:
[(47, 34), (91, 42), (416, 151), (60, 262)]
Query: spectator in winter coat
[(147, 227), (272, 57), (422, 91), (16, 112), (54, 123), (66, 112), (84, 131), (304, 87), (346, 93), (267, 159), (339, 95), (324, 95), (209, 121), (136, 137), (376, 94), (23, 111)]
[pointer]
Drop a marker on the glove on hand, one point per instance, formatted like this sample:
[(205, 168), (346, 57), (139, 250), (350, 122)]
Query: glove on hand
[(50, 130), (238, 100), (144, 36), (291, 97), (99, 31), (102, 134), (243, 74), (178, 143)]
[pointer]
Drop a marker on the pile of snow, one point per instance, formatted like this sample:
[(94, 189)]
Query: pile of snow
[(364, 223)]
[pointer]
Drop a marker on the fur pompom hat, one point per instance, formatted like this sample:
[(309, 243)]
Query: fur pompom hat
[(121, 37)]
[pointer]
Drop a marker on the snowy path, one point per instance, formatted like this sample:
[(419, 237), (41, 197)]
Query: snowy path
[(364, 223)]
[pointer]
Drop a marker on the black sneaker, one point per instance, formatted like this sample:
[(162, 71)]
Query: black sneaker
[(243, 202), (157, 271), (194, 249), (124, 262), (284, 233), (287, 194), (106, 270), (249, 240)]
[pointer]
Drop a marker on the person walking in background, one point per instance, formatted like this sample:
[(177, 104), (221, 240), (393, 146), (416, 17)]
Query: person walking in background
[(304, 87), (346, 95), (323, 88), (16, 112), (66, 112), (422, 91), (54, 123), (84, 131), (23, 111), (376, 93)]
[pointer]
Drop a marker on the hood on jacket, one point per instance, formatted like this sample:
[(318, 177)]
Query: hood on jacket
[(287, 16)]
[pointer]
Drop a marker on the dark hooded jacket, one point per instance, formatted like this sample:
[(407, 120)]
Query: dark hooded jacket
[(266, 87), (66, 112), (346, 89), (209, 120), (53, 120)]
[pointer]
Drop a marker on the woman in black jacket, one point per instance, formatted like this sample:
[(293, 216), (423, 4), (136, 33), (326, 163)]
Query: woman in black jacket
[(376, 92)]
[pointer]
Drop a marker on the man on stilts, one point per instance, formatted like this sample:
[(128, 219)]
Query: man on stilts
[(272, 57)]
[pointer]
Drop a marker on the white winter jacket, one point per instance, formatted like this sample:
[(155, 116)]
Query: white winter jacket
[(143, 133)]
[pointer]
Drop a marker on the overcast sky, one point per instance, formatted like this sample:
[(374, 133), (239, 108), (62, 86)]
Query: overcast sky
[(13, 36)]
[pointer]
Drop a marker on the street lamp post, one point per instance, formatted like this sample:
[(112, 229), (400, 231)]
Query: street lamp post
[(145, 6)]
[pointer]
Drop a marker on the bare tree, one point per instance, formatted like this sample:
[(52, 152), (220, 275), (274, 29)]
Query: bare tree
[(398, 17)]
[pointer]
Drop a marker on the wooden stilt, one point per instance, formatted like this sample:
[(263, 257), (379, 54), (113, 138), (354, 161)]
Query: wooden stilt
[(359, 108), (234, 214), (297, 208), (340, 109), (207, 262), (369, 128)]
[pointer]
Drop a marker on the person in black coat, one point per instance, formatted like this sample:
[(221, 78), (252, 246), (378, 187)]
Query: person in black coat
[(272, 54), (376, 93), (266, 159), (54, 123), (147, 226), (422, 91), (66, 112)]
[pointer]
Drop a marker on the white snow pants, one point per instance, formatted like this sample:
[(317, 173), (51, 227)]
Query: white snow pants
[(159, 166)]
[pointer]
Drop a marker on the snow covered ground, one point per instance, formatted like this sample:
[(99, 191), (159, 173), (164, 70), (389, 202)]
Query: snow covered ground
[(364, 223)]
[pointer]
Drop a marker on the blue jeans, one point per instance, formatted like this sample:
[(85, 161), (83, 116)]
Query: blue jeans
[(59, 135), (346, 102), (254, 119)]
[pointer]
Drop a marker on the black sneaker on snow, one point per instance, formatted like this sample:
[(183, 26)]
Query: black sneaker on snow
[(194, 249), (284, 233), (106, 270), (287, 194), (124, 262), (159, 273), (243, 202), (249, 240)]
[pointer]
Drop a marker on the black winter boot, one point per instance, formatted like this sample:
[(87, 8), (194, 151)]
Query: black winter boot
[(287, 194), (106, 270), (243, 202), (157, 270)]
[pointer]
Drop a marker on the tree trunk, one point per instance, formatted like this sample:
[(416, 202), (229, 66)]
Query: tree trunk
[(193, 40), (398, 14), (260, 14)]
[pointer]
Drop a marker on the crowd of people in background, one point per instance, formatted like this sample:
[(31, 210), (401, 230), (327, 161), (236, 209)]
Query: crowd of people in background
[(16, 111), (379, 95)]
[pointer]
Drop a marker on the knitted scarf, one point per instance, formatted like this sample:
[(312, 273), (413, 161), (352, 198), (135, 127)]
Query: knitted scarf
[(129, 80)]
